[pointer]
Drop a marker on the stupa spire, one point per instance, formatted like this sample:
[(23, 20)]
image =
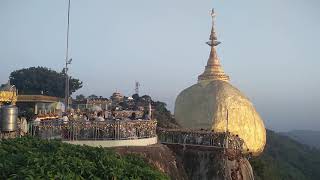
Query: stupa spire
[(213, 70)]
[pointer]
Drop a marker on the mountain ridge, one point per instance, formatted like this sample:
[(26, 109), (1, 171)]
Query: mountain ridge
[(307, 137)]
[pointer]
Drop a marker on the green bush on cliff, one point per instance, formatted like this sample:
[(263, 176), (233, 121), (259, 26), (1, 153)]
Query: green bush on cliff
[(30, 158)]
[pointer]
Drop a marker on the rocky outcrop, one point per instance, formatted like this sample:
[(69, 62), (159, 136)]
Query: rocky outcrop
[(160, 156), (207, 163), (194, 163)]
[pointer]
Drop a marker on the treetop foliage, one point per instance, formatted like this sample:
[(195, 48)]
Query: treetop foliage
[(42, 80)]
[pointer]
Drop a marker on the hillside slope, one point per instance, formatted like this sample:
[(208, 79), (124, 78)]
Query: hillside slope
[(285, 158)]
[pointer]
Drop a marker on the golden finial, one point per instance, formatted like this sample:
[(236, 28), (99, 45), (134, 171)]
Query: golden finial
[(213, 70), (213, 36)]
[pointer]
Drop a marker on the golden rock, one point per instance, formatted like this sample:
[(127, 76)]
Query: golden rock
[(213, 103), (205, 105)]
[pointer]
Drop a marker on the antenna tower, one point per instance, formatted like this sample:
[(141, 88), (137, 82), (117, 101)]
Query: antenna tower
[(137, 87)]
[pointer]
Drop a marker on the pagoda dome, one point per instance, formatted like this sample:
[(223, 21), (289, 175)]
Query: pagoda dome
[(213, 103)]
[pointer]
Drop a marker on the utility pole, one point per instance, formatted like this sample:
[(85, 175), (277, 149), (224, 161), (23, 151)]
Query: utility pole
[(68, 61)]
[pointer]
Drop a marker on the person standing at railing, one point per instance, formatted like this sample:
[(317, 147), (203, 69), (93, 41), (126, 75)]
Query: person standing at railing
[(36, 121), (23, 126), (99, 117), (133, 116), (113, 115), (94, 115), (75, 116), (146, 115), (65, 118), (35, 125), (105, 114), (85, 117)]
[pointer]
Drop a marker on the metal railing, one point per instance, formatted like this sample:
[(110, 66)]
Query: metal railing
[(85, 130), (200, 138)]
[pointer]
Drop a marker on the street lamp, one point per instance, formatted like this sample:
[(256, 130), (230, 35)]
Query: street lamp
[(67, 85), (68, 61)]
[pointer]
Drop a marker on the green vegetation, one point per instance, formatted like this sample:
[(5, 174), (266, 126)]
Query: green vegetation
[(37, 80), (164, 117), (285, 158), (30, 158)]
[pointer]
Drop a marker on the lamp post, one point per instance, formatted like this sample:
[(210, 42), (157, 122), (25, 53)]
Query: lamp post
[(67, 85), (68, 61)]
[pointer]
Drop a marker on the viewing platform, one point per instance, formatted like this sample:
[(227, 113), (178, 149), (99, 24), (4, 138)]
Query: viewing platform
[(109, 133), (200, 138)]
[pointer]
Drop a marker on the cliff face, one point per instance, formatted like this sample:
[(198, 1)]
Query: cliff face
[(181, 162), (160, 156), (208, 163)]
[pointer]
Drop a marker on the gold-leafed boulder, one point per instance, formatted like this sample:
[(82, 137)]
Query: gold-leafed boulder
[(213, 103), (219, 106)]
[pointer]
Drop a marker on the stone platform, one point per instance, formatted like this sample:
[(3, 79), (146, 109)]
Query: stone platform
[(116, 143)]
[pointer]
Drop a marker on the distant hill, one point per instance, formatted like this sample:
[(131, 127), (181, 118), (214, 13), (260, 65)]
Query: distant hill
[(285, 158), (308, 137)]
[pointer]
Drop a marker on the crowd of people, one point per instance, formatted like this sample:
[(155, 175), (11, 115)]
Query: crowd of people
[(92, 116), (95, 125), (200, 137), (101, 116)]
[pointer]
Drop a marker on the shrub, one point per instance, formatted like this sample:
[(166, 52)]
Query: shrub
[(32, 158)]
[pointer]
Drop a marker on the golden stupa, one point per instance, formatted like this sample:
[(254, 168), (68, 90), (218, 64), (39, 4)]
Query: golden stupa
[(8, 94), (213, 103)]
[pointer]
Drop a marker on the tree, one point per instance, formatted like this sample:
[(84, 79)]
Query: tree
[(163, 115), (38, 80), (92, 96), (146, 98), (80, 97), (135, 97)]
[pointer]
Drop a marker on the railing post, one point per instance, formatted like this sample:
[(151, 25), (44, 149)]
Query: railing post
[(115, 129), (119, 129)]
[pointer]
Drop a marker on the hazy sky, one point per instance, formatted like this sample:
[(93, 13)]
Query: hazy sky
[(270, 48)]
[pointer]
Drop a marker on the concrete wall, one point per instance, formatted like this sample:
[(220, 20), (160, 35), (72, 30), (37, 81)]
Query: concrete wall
[(116, 143)]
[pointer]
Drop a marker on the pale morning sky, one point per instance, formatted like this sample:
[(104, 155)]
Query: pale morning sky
[(270, 48)]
